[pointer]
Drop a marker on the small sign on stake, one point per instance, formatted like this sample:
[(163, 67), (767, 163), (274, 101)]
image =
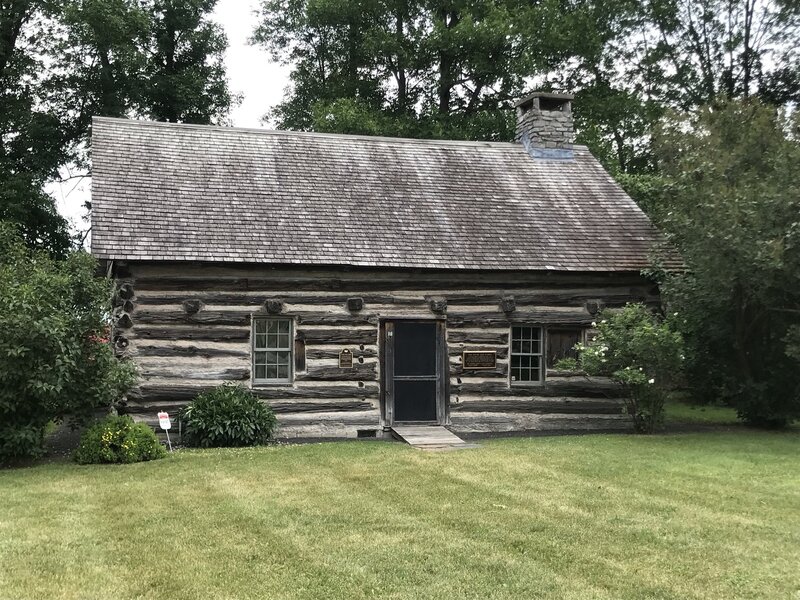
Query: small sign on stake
[(166, 424)]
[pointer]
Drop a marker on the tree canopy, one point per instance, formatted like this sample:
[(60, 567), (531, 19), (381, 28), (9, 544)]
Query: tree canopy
[(452, 68), (64, 61), (731, 204)]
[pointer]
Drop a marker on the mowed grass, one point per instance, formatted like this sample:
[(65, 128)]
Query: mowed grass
[(713, 515), (684, 413)]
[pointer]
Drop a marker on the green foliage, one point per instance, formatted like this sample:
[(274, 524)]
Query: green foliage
[(229, 415), (567, 364), (733, 210), (63, 62), (642, 352), (422, 69), (55, 358), (410, 68), (32, 144), (117, 439)]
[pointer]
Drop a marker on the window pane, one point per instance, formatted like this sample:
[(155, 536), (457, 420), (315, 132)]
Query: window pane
[(283, 341), (283, 326), (261, 372), (283, 372), (272, 372), (261, 326), (260, 358), (261, 340), (272, 326), (561, 344)]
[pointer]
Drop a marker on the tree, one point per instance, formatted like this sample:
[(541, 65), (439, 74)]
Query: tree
[(185, 69), (55, 359), (31, 142), (407, 67), (732, 207), (452, 68)]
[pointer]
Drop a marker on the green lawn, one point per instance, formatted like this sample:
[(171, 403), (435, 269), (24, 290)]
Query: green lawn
[(683, 413), (713, 515)]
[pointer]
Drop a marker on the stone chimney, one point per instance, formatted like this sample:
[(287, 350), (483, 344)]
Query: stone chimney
[(544, 125)]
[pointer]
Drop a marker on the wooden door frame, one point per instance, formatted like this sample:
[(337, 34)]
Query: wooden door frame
[(386, 382)]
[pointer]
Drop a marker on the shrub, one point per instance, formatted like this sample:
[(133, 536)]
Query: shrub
[(229, 415), (55, 357), (642, 352), (566, 364), (118, 440), (732, 208)]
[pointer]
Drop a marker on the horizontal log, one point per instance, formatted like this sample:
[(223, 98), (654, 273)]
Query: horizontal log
[(341, 336), (332, 319), (364, 417), (204, 317), (168, 351), (147, 393), (457, 370), (467, 422), (359, 372), (306, 407), (568, 297), (477, 337), (217, 317), (537, 316), (243, 298), (333, 353), (543, 406), (207, 333), (202, 277), (192, 373), (458, 349), (279, 407), (594, 388)]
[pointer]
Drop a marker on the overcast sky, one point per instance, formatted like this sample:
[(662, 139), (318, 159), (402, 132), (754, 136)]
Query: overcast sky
[(250, 72)]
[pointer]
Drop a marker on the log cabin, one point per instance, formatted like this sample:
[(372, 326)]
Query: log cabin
[(357, 283)]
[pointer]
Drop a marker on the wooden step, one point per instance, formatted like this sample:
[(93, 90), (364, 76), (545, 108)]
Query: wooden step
[(430, 437)]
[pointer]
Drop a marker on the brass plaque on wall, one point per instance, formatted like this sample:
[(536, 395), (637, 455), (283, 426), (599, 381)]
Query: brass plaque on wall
[(345, 359), (478, 359)]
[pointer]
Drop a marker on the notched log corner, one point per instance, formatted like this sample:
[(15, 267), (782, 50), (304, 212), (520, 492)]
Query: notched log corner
[(355, 304), (508, 304), (124, 321), (125, 291), (273, 306), (594, 306), (438, 304), (192, 307)]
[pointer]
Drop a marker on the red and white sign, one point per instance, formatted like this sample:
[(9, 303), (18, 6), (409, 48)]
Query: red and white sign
[(163, 420)]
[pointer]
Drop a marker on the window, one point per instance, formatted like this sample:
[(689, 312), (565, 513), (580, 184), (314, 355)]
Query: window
[(526, 354), (561, 343), (272, 350)]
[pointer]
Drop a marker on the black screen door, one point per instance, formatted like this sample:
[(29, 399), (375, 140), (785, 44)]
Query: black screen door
[(412, 370)]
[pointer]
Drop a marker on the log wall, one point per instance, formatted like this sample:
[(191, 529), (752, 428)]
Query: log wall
[(188, 329)]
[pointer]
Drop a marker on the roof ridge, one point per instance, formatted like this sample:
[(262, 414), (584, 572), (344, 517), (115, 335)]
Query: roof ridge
[(313, 134)]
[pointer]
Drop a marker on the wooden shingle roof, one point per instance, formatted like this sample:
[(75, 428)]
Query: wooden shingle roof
[(165, 192)]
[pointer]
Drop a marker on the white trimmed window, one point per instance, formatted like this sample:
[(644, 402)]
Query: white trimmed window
[(526, 354), (272, 350)]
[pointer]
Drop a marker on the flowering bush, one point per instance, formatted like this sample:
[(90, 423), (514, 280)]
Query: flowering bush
[(55, 361), (118, 440), (642, 352)]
